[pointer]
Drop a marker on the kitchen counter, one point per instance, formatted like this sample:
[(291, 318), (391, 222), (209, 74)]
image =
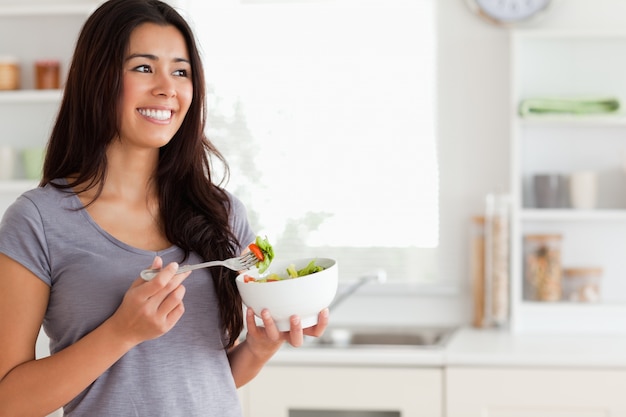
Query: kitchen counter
[(471, 347), (362, 356), (476, 347)]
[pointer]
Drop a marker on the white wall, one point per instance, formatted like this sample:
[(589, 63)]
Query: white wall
[(472, 127)]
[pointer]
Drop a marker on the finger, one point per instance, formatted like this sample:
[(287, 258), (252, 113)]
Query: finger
[(252, 328), (296, 337), (157, 263), (175, 314), (322, 322), (166, 280), (150, 288), (172, 301), (270, 327)]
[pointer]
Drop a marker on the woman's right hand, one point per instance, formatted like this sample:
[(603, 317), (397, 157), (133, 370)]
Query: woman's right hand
[(147, 311), (150, 309)]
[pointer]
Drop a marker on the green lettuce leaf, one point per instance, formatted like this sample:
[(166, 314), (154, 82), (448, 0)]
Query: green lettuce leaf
[(268, 253)]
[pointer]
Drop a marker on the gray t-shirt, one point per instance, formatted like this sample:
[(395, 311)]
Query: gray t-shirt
[(184, 373)]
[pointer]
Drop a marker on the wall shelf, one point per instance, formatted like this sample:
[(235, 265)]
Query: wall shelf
[(31, 30), (572, 317), (35, 9), (570, 215), (30, 96), (576, 64), (595, 120), (17, 186)]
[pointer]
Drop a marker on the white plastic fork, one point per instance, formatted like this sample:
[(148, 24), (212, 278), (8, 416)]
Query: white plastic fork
[(239, 263)]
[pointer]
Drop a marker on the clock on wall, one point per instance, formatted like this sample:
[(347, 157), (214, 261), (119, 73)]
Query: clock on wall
[(508, 12)]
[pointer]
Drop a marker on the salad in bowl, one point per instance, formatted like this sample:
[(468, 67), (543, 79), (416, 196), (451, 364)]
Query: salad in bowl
[(300, 287)]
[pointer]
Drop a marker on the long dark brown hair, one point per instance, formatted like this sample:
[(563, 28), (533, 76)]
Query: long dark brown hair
[(194, 211)]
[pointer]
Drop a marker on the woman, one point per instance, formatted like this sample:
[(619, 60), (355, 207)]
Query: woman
[(127, 185)]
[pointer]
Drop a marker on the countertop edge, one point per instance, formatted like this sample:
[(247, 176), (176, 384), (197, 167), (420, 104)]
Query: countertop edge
[(470, 347)]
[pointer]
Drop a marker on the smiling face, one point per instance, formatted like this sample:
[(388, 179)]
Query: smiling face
[(157, 86)]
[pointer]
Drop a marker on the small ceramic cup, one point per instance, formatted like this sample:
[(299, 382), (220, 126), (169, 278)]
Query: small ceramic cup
[(32, 159), (583, 189), (7, 162), (550, 190)]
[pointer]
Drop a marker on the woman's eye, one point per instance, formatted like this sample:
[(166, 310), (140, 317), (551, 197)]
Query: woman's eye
[(181, 73), (143, 68)]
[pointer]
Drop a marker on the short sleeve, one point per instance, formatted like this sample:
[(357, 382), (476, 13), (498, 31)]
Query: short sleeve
[(22, 238), (240, 224)]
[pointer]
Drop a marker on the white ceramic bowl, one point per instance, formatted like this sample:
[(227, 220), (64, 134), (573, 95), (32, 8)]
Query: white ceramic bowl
[(303, 296)]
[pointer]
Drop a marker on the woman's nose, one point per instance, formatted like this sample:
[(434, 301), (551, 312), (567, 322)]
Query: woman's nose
[(164, 85)]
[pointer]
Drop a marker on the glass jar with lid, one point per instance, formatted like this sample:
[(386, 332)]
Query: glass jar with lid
[(47, 74), (9, 73), (582, 284), (542, 267)]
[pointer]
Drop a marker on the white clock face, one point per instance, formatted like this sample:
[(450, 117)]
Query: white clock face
[(511, 10)]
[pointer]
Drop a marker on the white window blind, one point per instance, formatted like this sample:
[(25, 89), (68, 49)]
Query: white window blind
[(325, 111)]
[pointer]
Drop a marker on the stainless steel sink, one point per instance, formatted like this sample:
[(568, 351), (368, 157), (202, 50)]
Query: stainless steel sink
[(382, 337)]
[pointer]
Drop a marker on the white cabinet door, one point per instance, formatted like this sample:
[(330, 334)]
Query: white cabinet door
[(291, 391), (532, 392)]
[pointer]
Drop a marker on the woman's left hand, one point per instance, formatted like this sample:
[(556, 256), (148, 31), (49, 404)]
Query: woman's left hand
[(267, 339), (262, 342)]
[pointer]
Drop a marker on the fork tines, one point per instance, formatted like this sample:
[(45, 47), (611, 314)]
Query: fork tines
[(249, 260)]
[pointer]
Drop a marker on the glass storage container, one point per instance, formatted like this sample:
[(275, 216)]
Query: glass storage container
[(9, 73), (542, 267), (582, 284)]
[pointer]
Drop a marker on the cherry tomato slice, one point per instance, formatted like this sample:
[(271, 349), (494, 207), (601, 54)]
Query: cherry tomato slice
[(257, 251)]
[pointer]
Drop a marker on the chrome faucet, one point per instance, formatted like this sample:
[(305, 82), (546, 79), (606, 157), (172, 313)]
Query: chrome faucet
[(379, 276)]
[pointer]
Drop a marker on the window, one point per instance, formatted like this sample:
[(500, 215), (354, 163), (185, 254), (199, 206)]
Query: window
[(325, 111)]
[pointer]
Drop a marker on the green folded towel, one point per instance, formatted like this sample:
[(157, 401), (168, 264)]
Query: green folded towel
[(571, 105)]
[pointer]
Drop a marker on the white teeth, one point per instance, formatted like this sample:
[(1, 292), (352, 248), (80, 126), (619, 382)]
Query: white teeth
[(156, 114)]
